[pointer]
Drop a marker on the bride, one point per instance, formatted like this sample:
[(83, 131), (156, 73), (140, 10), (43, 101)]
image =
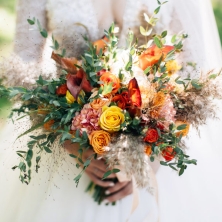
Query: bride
[(52, 195)]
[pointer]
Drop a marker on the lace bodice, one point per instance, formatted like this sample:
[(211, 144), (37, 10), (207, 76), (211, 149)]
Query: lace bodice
[(69, 20)]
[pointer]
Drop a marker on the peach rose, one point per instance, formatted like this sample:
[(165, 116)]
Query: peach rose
[(152, 55), (107, 78), (100, 102), (99, 140)]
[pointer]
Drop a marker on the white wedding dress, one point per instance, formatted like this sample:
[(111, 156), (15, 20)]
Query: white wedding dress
[(52, 195)]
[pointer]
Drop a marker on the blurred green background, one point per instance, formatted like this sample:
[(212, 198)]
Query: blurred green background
[(7, 29)]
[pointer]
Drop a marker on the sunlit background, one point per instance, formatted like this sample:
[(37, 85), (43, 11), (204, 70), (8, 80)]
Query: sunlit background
[(7, 23)]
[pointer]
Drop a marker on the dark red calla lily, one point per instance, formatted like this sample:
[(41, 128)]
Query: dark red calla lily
[(78, 82)]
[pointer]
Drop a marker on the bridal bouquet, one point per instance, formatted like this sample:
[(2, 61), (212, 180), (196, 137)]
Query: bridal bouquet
[(126, 104)]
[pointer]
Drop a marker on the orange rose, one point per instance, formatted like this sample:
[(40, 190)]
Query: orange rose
[(61, 90), (48, 124), (148, 150), (99, 140), (107, 78), (159, 99), (100, 102), (100, 44), (151, 136), (168, 153), (152, 55)]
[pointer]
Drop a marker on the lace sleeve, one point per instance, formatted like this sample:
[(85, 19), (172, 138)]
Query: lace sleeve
[(28, 42), (30, 59)]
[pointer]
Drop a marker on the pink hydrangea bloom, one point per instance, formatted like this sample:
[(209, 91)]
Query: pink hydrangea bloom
[(167, 112), (87, 120)]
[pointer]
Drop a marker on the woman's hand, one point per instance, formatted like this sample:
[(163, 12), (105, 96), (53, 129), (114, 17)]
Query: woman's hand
[(96, 170), (118, 191)]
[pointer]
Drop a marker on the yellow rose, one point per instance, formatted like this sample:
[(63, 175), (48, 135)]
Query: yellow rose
[(70, 98), (111, 118), (172, 67), (99, 140)]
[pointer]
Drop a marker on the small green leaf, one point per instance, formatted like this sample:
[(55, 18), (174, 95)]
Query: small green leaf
[(163, 163), (14, 167), (31, 22), (213, 76), (152, 158), (115, 171), (29, 155), (156, 11), (77, 178), (173, 39), (38, 158), (147, 70), (47, 149), (73, 156), (158, 42), (106, 174), (44, 33), (182, 127), (107, 88), (164, 34), (196, 84), (86, 164), (181, 170), (146, 17)]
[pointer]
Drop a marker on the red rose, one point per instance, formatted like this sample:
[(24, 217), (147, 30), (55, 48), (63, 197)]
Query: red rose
[(168, 153), (120, 101), (151, 136), (61, 90)]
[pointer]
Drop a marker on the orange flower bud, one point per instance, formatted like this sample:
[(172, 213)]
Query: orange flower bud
[(100, 44), (61, 90), (168, 153), (148, 150), (48, 124)]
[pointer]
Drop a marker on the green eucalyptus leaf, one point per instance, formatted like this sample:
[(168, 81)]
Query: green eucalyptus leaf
[(31, 22), (44, 33), (182, 127), (158, 42), (86, 164), (47, 149), (106, 174)]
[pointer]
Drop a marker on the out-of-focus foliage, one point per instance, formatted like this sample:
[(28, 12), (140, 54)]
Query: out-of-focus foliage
[(217, 4)]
